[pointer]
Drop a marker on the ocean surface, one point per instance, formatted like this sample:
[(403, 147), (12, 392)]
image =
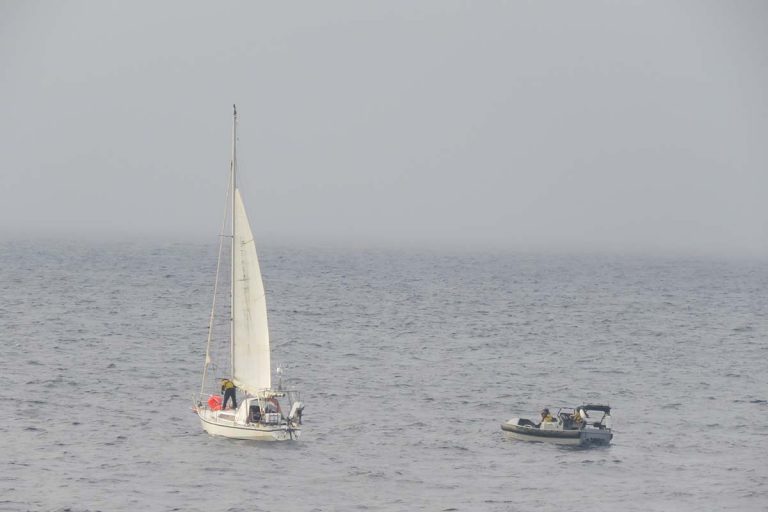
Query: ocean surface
[(408, 362)]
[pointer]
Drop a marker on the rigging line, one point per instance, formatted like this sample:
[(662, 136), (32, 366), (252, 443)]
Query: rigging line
[(215, 288)]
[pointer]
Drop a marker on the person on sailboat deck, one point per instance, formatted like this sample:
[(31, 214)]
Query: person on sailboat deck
[(228, 388)]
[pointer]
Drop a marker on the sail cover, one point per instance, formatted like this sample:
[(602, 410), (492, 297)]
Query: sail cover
[(251, 358)]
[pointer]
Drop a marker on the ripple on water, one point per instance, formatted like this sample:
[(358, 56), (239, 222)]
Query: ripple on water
[(407, 361)]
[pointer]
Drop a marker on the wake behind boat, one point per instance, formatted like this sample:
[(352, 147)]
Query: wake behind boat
[(260, 414), (581, 426)]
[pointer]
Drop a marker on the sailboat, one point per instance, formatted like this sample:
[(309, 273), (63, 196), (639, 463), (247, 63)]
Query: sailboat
[(263, 413)]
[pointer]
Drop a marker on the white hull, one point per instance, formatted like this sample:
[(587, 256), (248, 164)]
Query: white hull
[(216, 426)]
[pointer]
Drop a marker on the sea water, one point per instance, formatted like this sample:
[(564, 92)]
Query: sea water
[(408, 362)]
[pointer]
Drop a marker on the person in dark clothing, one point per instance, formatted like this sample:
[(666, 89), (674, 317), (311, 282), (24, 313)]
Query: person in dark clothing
[(255, 415), (228, 388)]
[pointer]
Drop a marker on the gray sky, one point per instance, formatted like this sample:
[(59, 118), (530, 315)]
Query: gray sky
[(605, 126)]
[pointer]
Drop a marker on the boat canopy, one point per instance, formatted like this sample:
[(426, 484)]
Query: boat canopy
[(602, 408)]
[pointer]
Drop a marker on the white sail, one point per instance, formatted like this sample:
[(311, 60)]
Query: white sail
[(251, 358)]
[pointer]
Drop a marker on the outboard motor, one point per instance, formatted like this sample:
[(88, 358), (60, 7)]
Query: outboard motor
[(296, 411)]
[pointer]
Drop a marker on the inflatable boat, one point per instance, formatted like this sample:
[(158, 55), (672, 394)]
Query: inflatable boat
[(583, 426)]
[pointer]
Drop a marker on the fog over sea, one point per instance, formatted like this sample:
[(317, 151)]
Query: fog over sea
[(408, 362)]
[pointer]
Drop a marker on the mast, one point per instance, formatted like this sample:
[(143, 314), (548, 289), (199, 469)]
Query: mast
[(233, 184)]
